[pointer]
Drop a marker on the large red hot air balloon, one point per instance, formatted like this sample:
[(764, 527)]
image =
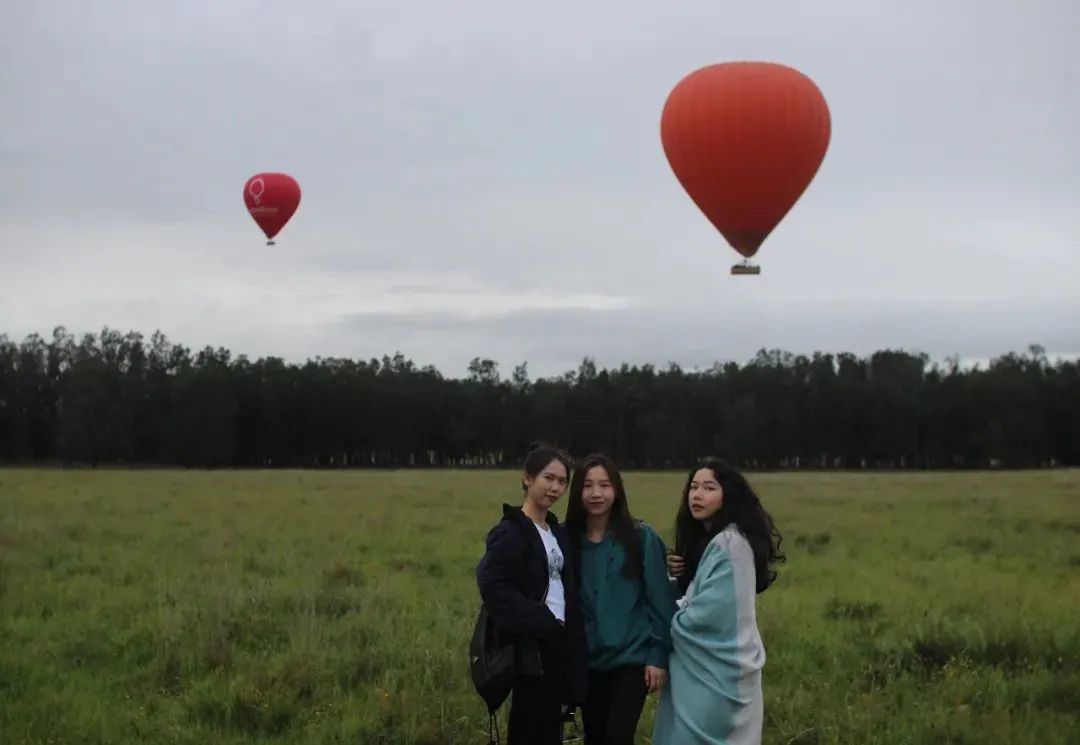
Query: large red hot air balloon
[(745, 139), (272, 199)]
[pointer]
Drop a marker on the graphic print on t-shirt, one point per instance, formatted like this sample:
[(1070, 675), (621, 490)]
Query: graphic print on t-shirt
[(556, 595), (555, 564)]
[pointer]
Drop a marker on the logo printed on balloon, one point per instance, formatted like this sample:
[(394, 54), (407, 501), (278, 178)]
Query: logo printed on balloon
[(251, 188), (256, 195)]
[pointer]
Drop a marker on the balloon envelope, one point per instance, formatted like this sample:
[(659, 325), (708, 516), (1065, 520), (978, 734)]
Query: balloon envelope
[(272, 200), (745, 139)]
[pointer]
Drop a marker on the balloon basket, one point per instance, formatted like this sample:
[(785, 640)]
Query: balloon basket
[(745, 268), (270, 243)]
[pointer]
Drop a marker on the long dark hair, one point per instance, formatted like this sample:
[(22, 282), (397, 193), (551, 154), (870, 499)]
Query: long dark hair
[(742, 507), (621, 523), (539, 456)]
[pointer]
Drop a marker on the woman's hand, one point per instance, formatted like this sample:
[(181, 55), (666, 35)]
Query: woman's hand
[(675, 564), (655, 678)]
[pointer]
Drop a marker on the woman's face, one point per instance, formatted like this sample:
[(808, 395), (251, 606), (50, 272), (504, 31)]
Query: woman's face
[(548, 486), (706, 496), (597, 493)]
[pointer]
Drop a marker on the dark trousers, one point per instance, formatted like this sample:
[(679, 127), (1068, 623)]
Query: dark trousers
[(536, 703), (614, 705)]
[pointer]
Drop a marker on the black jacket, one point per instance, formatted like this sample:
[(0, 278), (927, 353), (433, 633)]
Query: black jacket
[(513, 581)]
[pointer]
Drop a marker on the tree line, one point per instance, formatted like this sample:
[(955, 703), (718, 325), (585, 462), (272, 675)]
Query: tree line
[(116, 398)]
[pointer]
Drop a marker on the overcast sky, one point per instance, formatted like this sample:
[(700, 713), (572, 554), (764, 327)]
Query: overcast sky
[(484, 180)]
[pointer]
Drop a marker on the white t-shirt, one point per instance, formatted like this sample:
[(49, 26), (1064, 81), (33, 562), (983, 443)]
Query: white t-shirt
[(556, 596)]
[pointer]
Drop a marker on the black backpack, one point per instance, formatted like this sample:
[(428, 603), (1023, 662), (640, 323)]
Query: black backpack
[(491, 662)]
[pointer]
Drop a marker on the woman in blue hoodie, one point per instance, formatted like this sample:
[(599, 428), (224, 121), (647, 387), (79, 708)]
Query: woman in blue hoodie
[(626, 599)]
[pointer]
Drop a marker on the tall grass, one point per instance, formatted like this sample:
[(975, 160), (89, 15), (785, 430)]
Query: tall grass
[(304, 607)]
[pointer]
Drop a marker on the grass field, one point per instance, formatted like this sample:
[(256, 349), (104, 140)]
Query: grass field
[(321, 607)]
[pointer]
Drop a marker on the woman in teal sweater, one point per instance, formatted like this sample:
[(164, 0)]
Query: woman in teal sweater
[(626, 598)]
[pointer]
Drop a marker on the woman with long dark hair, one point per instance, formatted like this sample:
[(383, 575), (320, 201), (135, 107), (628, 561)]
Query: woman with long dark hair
[(528, 585), (724, 551), (626, 600)]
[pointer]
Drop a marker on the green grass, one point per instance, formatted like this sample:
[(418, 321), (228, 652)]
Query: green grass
[(304, 607)]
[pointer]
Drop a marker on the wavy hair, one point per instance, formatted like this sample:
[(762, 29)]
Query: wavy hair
[(740, 506)]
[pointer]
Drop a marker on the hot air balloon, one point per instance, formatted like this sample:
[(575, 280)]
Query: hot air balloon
[(271, 199), (745, 139)]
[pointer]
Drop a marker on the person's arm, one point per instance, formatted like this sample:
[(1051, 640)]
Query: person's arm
[(711, 611), (511, 610), (715, 627), (660, 597)]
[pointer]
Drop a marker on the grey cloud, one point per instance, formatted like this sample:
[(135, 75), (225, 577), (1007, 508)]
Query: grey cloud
[(180, 115), (474, 150), (553, 341)]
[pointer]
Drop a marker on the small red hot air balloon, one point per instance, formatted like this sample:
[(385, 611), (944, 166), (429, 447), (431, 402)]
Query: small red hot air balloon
[(745, 139), (271, 199)]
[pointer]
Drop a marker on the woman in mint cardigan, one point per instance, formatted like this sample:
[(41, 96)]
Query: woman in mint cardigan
[(626, 598), (724, 551)]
